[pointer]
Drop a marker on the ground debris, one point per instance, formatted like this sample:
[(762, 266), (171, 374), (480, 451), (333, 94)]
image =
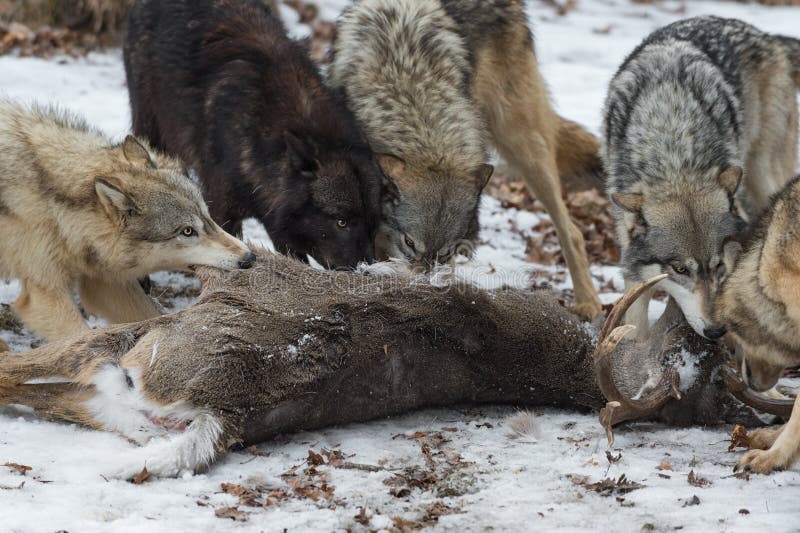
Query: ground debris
[(739, 438), (696, 480), (608, 486), (231, 512), (141, 477), (18, 468)]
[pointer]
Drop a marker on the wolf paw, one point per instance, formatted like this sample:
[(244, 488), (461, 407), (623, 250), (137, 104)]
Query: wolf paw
[(587, 310), (763, 439), (763, 461)]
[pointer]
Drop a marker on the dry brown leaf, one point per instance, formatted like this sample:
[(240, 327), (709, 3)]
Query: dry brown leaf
[(664, 465), (739, 438), (231, 512), (20, 469), (696, 480), (141, 477)]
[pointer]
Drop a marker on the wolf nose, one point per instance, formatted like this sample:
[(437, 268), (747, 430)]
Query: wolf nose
[(248, 260), (715, 332)]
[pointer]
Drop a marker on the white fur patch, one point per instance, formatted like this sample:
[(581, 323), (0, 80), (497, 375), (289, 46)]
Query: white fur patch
[(689, 304), (122, 408)]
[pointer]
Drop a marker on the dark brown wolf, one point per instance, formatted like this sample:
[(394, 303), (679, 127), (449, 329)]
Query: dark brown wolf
[(220, 85)]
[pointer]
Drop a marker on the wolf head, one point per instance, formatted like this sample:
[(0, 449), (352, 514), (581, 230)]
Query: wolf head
[(330, 209), (689, 235), (159, 219), (429, 216)]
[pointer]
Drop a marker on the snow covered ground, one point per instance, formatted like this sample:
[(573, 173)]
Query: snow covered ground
[(492, 482)]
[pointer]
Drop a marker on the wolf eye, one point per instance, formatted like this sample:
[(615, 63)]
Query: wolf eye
[(342, 223), (410, 242), (679, 269), (188, 231)]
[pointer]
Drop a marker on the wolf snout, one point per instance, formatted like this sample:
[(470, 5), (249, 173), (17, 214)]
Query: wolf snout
[(248, 260), (714, 332)]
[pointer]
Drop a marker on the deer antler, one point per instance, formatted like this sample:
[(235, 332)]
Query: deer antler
[(619, 408), (748, 396)]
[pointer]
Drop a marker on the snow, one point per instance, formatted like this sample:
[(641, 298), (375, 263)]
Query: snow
[(513, 484)]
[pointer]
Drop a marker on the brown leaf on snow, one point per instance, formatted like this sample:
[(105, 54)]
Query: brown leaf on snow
[(141, 477), (247, 497), (664, 465), (609, 486), (20, 469), (307, 489), (315, 459), (18, 487), (739, 438), (696, 480), (231, 512)]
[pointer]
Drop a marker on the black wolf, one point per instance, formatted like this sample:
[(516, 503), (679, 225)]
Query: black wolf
[(220, 85)]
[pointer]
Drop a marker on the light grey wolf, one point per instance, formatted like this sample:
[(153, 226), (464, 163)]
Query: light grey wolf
[(760, 306), (431, 83), (700, 130), (79, 212)]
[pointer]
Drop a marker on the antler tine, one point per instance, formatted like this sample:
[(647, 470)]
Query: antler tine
[(619, 408), (748, 396), (617, 313)]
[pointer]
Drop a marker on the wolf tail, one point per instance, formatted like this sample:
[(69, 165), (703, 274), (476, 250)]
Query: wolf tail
[(578, 157), (792, 46)]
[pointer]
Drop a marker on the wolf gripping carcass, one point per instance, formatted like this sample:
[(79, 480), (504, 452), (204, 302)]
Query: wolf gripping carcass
[(701, 128), (80, 212), (431, 82)]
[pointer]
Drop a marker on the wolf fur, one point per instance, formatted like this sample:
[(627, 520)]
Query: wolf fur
[(700, 129), (760, 305), (221, 86), (80, 212), (431, 83)]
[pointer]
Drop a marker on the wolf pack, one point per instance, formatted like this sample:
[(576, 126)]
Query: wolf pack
[(386, 155)]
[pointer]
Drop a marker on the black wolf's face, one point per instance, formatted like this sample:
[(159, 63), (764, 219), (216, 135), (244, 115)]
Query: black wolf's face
[(340, 211)]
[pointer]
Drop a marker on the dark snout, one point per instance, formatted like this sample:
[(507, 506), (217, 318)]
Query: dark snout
[(714, 332), (248, 260)]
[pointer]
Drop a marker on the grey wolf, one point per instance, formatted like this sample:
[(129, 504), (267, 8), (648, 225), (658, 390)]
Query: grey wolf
[(760, 305), (221, 86), (432, 82), (80, 212), (700, 130)]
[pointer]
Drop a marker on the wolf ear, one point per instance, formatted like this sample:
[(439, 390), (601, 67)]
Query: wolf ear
[(730, 179), (483, 175), (136, 153), (731, 250), (393, 167), (302, 154), (116, 202), (631, 202)]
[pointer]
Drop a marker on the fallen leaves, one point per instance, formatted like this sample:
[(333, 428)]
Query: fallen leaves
[(696, 480), (141, 477), (18, 468), (231, 512), (739, 438), (608, 486), (664, 465)]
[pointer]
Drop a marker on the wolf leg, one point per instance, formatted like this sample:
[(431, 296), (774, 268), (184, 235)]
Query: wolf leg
[(764, 438), (49, 313), (118, 302), (783, 452), (513, 99), (638, 312)]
